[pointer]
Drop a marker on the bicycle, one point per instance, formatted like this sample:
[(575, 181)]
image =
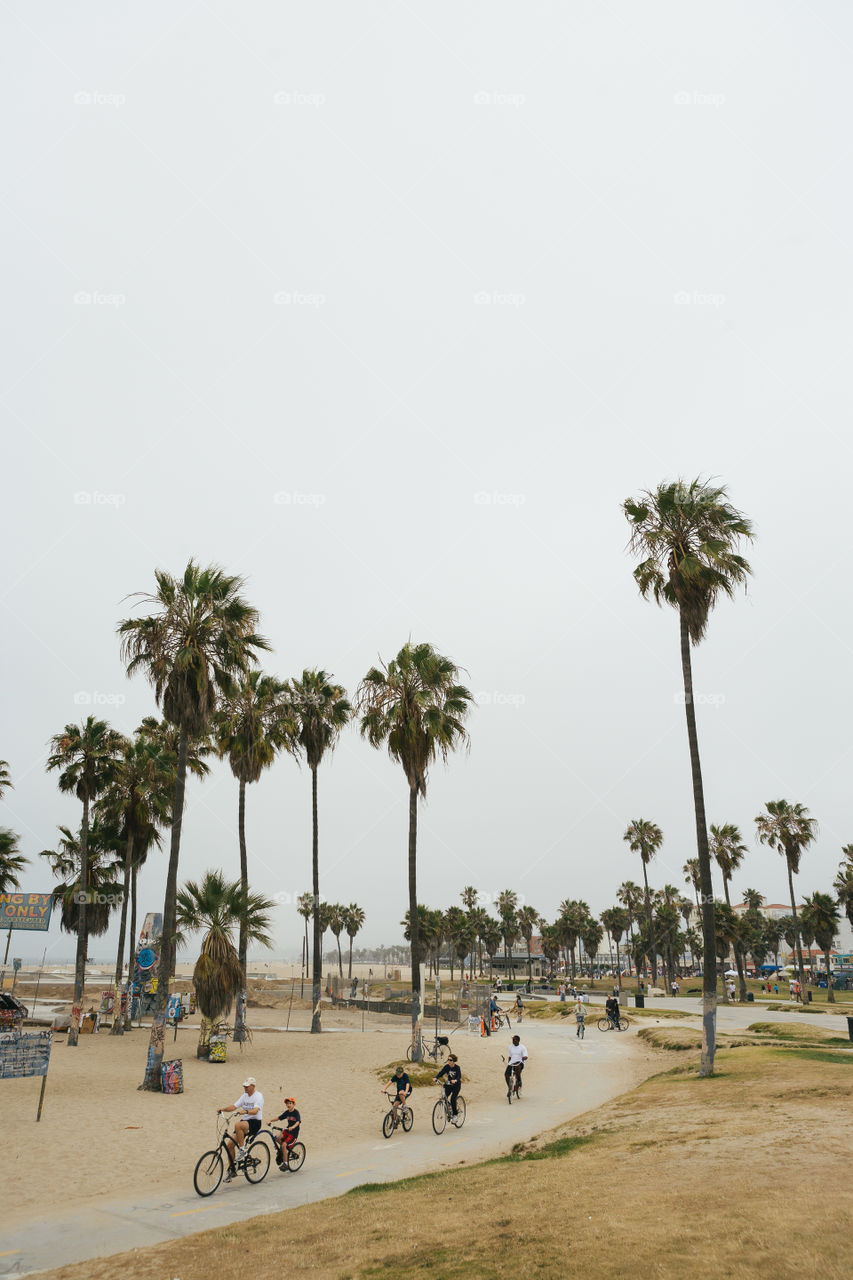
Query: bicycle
[(502, 1019), (436, 1050), (405, 1117), (514, 1086), (607, 1024), (580, 1030), (293, 1157), (210, 1168), (442, 1112)]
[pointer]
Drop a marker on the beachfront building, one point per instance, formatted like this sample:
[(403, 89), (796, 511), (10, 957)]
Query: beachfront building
[(841, 954)]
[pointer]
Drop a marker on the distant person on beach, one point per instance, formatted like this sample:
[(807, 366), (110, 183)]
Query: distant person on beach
[(519, 1007)]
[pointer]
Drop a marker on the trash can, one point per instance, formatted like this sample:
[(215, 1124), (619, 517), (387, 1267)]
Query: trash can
[(639, 1001), (850, 1028), (750, 996), (809, 994)]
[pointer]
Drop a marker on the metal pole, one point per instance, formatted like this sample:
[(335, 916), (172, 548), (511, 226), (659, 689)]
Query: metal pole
[(8, 940), (290, 1006), (38, 981), (41, 1096)]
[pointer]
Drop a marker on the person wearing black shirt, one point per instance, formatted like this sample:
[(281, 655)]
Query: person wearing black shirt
[(292, 1120), (399, 1087), (453, 1081), (611, 1006)]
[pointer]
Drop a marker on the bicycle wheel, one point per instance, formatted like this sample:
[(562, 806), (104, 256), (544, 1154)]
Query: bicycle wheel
[(408, 1053), (208, 1173), (582, 1031), (296, 1157), (388, 1125), (439, 1117), (604, 1024), (408, 1118), (623, 1024), (441, 1051), (256, 1166), (461, 1111)]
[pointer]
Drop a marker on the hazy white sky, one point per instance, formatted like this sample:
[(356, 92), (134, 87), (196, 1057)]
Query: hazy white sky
[(388, 306)]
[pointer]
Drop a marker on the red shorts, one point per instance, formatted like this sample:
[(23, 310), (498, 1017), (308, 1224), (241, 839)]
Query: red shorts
[(288, 1137)]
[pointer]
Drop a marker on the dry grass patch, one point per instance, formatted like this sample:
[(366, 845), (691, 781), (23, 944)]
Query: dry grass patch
[(717, 1164)]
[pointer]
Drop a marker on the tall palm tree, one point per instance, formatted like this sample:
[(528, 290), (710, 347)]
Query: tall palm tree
[(321, 711), (646, 838), (528, 919), (591, 936), (727, 932), (455, 924), (507, 905), (691, 875), (305, 908), (218, 907), (103, 869), (201, 635), (139, 800), (728, 850), (353, 924), (492, 938), (615, 921), (336, 924), (688, 537), (253, 723), (630, 895), (416, 707), (843, 884), (789, 829), (821, 917), (85, 756)]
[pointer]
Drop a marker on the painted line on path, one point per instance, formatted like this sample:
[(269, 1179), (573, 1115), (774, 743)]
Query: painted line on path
[(364, 1169), (186, 1212)]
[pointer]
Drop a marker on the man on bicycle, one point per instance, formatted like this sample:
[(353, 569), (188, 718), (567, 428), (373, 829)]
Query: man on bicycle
[(453, 1082), (250, 1104), (515, 1060), (399, 1087), (611, 1008), (292, 1120)]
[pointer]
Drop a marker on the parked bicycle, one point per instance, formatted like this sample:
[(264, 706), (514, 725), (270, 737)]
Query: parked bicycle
[(607, 1024), (210, 1169), (442, 1112), (435, 1049), (502, 1019), (405, 1117)]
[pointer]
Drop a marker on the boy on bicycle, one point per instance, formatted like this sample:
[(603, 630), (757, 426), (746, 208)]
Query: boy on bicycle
[(292, 1120), (453, 1082), (399, 1087)]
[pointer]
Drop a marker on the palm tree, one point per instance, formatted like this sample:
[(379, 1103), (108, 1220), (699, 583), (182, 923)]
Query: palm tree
[(218, 907), (353, 924), (630, 895), (305, 907), (528, 919), (688, 537), (591, 936), (821, 917), (728, 849), (86, 758), (455, 924), (726, 937), (492, 938), (843, 884), (507, 905), (6, 783), (646, 838), (550, 943), (103, 865), (416, 707), (691, 875), (789, 829), (615, 921), (12, 862), (321, 710), (139, 800), (336, 924), (252, 724), (201, 635)]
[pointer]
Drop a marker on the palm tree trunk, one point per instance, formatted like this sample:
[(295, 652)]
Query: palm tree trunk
[(117, 1028), (709, 979), (131, 960), (618, 966), (240, 1018), (736, 949), (317, 958), (349, 966), (830, 994), (529, 963), (82, 939), (414, 926), (340, 957), (152, 1080), (797, 931), (650, 919)]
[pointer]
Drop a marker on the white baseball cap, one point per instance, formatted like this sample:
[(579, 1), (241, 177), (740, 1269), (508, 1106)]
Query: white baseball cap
[(248, 1081)]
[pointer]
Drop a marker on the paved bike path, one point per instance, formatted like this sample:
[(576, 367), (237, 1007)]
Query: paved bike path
[(565, 1078)]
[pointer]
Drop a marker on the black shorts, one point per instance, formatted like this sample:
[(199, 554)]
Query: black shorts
[(254, 1125)]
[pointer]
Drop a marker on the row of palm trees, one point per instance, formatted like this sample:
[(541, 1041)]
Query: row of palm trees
[(337, 918), (196, 641)]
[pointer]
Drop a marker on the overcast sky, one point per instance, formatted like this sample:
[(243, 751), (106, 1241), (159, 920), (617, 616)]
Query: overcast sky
[(388, 306)]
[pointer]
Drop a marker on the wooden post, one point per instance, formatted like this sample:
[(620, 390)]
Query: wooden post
[(41, 1096)]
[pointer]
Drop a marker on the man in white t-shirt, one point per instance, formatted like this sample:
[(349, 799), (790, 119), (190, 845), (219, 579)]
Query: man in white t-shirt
[(515, 1060), (250, 1104)]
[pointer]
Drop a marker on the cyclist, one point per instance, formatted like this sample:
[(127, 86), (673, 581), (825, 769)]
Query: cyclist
[(611, 1008), (250, 1104), (453, 1082), (292, 1120), (515, 1060), (580, 1016), (399, 1087)]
